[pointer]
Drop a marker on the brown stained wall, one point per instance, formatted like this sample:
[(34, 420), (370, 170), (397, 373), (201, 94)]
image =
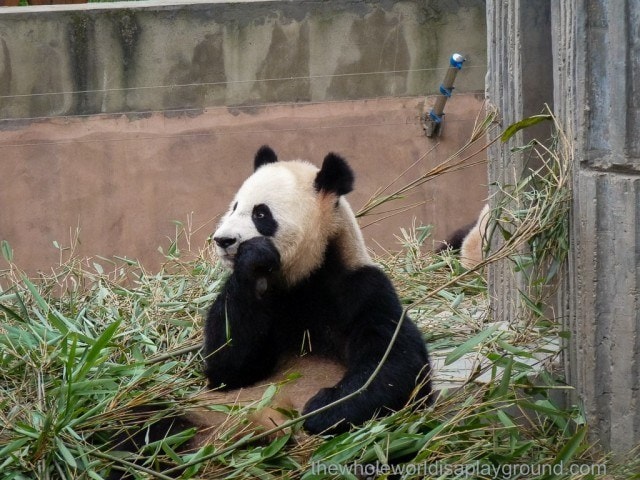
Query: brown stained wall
[(120, 118), (123, 181)]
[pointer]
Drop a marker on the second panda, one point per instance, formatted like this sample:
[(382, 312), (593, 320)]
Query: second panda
[(303, 284)]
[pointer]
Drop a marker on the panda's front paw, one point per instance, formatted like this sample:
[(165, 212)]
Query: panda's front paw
[(257, 258), (329, 421)]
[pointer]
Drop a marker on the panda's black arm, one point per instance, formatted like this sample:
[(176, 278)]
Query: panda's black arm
[(373, 310), (238, 349)]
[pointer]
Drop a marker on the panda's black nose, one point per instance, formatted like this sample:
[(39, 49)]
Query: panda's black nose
[(224, 242)]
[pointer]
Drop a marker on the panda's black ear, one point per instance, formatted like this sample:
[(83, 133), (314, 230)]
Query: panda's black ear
[(335, 176), (263, 156)]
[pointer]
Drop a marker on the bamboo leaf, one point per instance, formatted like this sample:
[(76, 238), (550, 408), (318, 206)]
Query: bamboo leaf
[(505, 381), (65, 453), (274, 447), (469, 345), (7, 251), (41, 302), (512, 129), (505, 419), (13, 446), (89, 360), (267, 396), (11, 313), (569, 450), (193, 469), (457, 301)]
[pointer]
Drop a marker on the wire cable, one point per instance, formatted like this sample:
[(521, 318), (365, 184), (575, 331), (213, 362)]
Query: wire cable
[(225, 82)]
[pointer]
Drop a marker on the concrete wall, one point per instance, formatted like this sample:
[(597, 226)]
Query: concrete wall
[(598, 91), (120, 120), (519, 84), (141, 56), (596, 95)]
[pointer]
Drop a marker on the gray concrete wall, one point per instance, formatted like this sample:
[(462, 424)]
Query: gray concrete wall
[(519, 84), (597, 77), (149, 56), (595, 70), (121, 119)]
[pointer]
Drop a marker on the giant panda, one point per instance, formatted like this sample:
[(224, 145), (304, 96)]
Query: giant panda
[(303, 287), (304, 307)]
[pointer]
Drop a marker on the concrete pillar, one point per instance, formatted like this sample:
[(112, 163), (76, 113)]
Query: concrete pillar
[(519, 84), (597, 78), (595, 72)]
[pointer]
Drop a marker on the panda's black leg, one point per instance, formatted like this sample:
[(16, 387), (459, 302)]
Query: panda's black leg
[(406, 367), (373, 311), (238, 349)]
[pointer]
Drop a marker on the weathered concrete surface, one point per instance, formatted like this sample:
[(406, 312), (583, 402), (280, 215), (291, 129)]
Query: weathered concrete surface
[(596, 90), (151, 56), (519, 84), (123, 181), (597, 78)]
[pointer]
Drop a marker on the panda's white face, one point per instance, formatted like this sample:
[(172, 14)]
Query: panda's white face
[(278, 201), (300, 208)]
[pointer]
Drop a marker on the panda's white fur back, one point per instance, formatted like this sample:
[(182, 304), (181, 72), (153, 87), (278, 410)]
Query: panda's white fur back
[(472, 248)]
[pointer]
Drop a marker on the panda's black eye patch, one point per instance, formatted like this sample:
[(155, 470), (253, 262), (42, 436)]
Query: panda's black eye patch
[(264, 221)]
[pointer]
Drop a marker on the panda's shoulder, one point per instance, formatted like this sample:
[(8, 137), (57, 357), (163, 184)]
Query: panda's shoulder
[(371, 276), (366, 280)]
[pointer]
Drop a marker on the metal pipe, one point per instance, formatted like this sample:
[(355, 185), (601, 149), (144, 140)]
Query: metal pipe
[(432, 122)]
